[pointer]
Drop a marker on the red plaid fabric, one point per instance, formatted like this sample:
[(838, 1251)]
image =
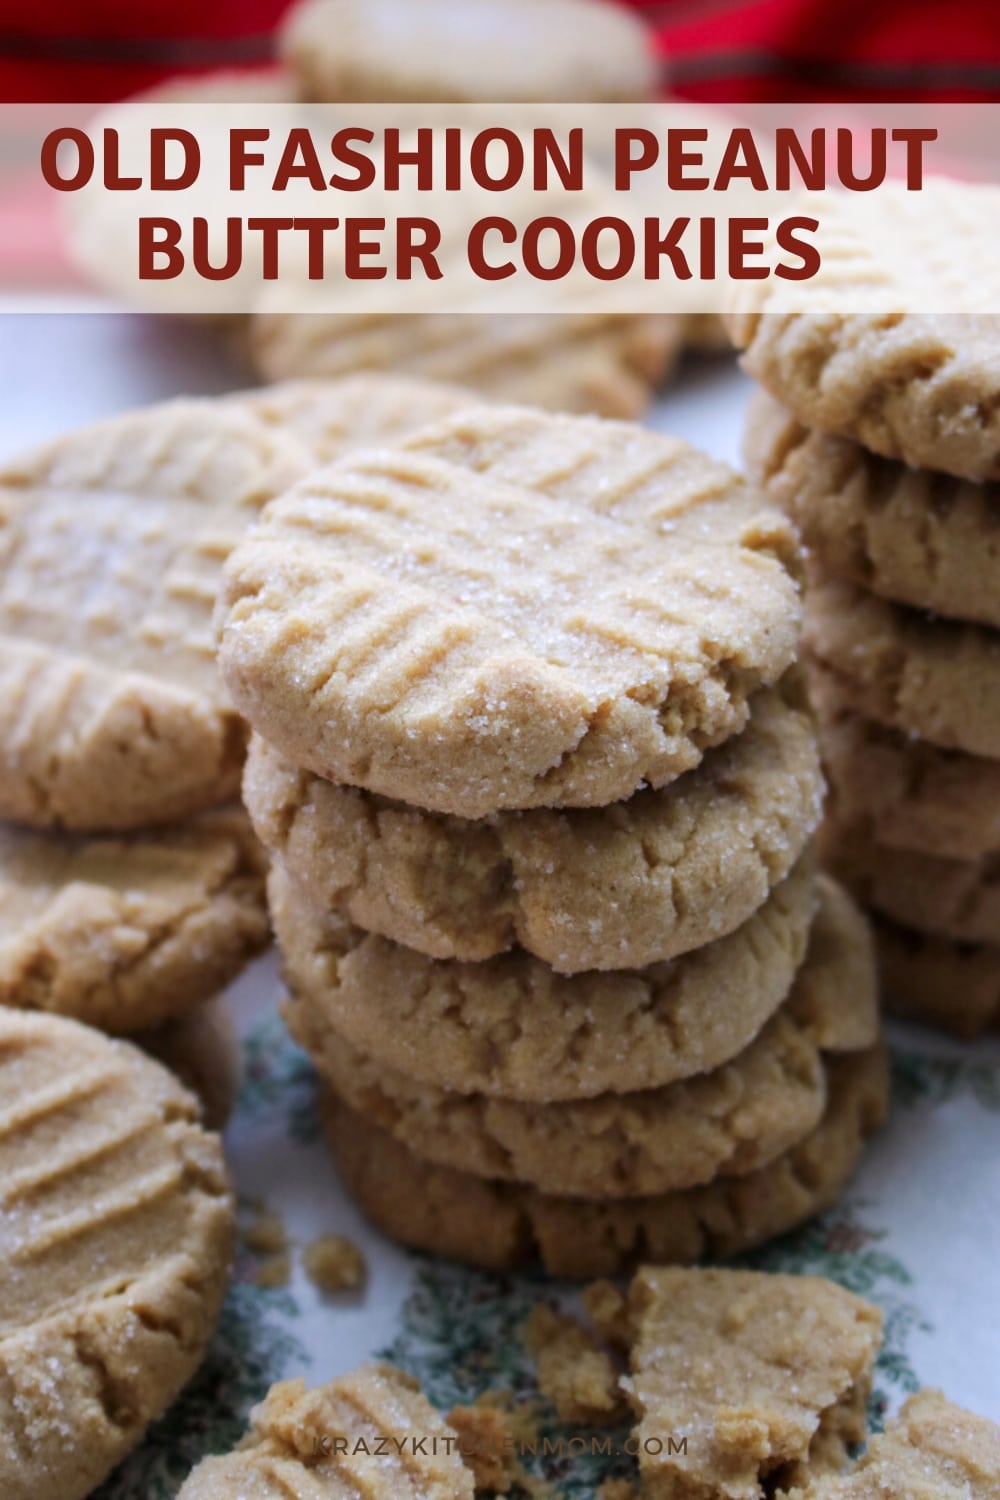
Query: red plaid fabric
[(777, 50)]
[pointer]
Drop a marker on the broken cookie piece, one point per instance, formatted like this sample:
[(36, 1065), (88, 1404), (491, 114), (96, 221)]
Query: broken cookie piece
[(745, 1382), (933, 1451), (573, 1371), (371, 1432)]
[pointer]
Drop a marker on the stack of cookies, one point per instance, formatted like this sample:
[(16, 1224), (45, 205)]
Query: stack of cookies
[(533, 766), (880, 437)]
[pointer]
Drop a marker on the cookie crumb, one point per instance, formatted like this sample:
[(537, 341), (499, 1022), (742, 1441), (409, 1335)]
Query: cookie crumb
[(607, 1308), (274, 1270), (574, 1372), (335, 1264), (267, 1234)]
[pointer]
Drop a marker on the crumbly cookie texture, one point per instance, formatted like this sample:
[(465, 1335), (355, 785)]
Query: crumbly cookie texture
[(530, 51), (334, 1264), (332, 417), (510, 1027), (765, 1376), (913, 795), (917, 537), (608, 364), (684, 865), (202, 1049), (126, 933), (318, 1444), (112, 710), (502, 1225), (937, 981), (510, 610), (730, 1122), (936, 679), (571, 1369), (933, 1451), (957, 899), (117, 1236), (922, 387)]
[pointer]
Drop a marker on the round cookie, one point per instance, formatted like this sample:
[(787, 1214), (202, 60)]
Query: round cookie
[(912, 794), (511, 1027), (514, 51), (684, 865), (332, 417), (932, 678), (958, 899), (725, 1123), (920, 386), (118, 1232), (510, 610), (911, 535), (112, 710), (936, 981), (202, 1049), (502, 1225), (127, 933), (608, 364), (292, 1450)]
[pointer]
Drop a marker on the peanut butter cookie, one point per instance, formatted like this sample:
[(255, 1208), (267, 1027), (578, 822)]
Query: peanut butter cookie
[(729, 1122), (933, 1451), (502, 1225), (767, 1377), (865, 348), (112, 711), (937, 679), (368, 1433), (511, 1027), (685, 864), (912, 535), (125, 933), (387, 51), (510, 610), (117, 1231), (607, 364)]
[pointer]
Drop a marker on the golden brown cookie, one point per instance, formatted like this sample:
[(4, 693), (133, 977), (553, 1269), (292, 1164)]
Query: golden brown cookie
[(729, 1122), (912, 535), (916, 384), (332, 417), (511, 51), (510, 610), (955, 898), (502, 1225), (369, 1433), (911, 793), (112, 710), (933, 1451), (683, 865), (202, 1049), (513, 1028), (937, 981), (608, 364), (125, 933), (767, 1377), (117, 1235), (937, 679)]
